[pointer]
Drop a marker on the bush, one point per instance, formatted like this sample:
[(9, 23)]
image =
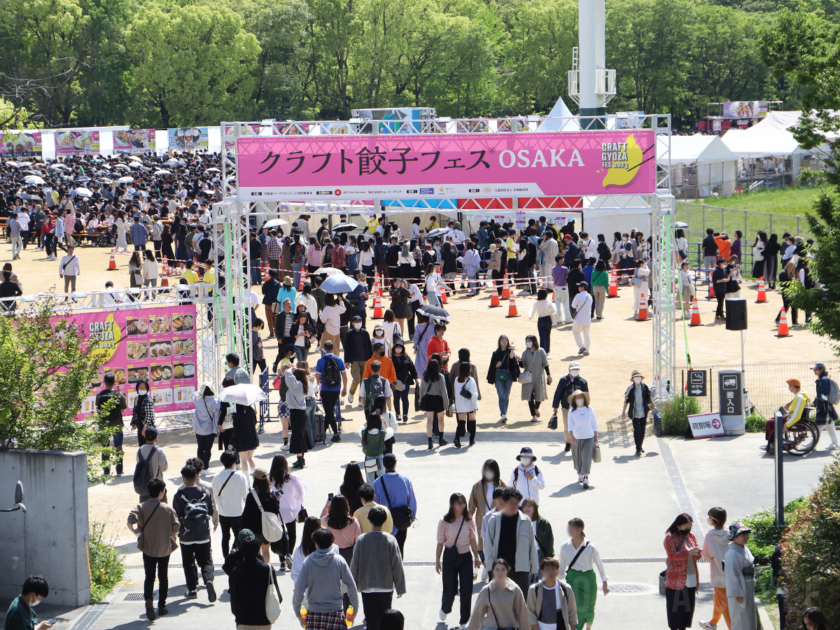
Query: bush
[(811, 551), (756, 423), (676, 412), (106, 565), (765, 535)]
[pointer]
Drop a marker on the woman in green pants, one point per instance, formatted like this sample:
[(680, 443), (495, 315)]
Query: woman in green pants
[(578, 558)]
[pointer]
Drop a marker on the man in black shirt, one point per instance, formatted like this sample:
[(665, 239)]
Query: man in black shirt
[(575, 277), (113, 419), (9, 289), (710, 250), (720, 278)]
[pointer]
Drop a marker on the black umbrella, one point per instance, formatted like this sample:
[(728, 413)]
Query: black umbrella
[(433, 311), (345, 227)]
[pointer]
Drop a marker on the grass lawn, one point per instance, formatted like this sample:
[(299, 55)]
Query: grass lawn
[(792, 200)]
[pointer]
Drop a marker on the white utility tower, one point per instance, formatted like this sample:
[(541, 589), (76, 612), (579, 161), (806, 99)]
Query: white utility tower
[(591, 85)]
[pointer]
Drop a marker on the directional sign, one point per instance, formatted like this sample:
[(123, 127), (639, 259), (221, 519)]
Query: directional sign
[(705, 425), (731, 395), (697, 383)]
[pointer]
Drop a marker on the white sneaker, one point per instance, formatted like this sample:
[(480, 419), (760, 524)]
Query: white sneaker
[(707, 626), (484, 574), (442, 615), (350, 399), (580, 478), (586, 483), (831, 447)]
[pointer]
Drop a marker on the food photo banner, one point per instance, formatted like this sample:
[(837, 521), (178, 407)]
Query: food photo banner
[(84, 142), (153, 344), (188, 138), (15, 144), (446, 166), (135, 141)]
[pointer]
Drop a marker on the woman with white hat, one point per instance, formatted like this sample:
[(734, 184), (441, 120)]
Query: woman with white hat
[(583, 427), (739, 567), (527, 477), (640, 402)]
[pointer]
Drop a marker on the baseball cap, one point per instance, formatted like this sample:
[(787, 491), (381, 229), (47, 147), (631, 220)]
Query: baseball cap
[(259, 473), (818, 365)]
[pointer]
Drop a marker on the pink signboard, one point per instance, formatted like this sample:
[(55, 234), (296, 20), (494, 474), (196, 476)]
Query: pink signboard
[(447, 165), (76, 143), (153, 344)]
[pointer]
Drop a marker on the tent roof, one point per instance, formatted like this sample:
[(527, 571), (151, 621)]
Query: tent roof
[(758, 142), (698, 149)]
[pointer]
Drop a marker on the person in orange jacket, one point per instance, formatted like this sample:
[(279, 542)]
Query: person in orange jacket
[(387, 369), (437, 344)]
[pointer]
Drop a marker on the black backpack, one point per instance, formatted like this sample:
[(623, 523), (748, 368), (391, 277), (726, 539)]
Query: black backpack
[(374, 386), (332, 374), (196, 523), (143, 473)]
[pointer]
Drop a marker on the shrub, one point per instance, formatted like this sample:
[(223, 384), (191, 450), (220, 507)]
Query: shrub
[(756, 423), (106, 565), (765, 535), (676, 412), (811, 551)]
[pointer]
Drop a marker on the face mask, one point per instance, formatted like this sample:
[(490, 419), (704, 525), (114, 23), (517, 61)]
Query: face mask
[(142, 392), (637, 380), (579, 402), (379, 334), (36, 602), (526, 461), (528, 344), (489, 475), (357, 326), (574, 373)]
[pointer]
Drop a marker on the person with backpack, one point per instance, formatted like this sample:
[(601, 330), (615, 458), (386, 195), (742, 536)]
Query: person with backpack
[(527, 477), (143, 413), (156, 526), (261, 508), (151, 464), (374, 386), (332, 379), (374, 437), (230, 489), (828, 395), (195, 507), (551, 601), (395, 492)]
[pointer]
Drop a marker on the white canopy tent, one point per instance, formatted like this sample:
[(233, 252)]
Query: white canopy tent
[(701, 164)]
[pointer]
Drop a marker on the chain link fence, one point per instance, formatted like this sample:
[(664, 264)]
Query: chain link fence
[(766, 389)]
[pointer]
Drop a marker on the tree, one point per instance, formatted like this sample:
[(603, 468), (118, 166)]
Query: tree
[(806, 50), (194, 65), (46, 368)]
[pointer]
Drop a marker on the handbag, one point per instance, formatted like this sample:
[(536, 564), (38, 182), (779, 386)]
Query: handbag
[(450, 554), (272, 599), (402, 515), (663, 575), (398, 385), (527, 376), (371, 465), (272, 529), (552, 423), (596, 454), (302, 515)]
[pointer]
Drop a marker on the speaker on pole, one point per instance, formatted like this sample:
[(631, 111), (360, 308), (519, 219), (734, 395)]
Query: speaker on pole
[(736, 314)]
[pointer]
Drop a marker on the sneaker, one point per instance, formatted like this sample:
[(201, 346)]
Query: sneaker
[(270, 337), (350, 399), (504, 419), (150, 610), (211, 592), (580, 478), (831, 447), (707, 626), (162, 610), (336, 438), (289, 561), (191, 595), (282, 565), (442, 615), (568, 447), (484, 574), (535, 419), (586, 483), (582, 351)]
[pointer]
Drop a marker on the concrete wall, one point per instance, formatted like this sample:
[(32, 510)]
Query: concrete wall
[(51, 538)]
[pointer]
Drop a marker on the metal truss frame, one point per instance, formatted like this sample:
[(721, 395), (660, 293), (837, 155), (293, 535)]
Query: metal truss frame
[(231, 299)]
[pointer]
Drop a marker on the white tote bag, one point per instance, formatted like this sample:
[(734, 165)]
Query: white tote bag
[(272, 600), (272, 530)]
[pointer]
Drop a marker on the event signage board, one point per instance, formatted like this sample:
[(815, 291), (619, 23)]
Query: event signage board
[(704, 425), (135, 141), (745, 109), (446, 166), (697, 383), (15, 144), (153, 344), (84, 142), (188, 138)]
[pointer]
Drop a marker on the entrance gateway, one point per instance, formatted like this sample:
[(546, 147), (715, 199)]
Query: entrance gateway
[(312, 167)]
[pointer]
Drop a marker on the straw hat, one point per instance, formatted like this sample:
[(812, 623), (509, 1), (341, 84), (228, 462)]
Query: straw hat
[(635, 374), (575, 394)]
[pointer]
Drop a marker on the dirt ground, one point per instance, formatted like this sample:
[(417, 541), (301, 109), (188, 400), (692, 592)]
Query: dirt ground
[(619, 345)]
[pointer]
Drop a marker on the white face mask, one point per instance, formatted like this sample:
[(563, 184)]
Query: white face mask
[(526, 461), (357, 326), (35, 602), (574, 373), (142, 392), (489, 475), (379, 334), (528, 344), (637, 380), (579, 402)]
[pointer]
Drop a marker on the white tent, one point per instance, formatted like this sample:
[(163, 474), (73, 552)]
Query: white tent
[(761, 142), (700, 163)]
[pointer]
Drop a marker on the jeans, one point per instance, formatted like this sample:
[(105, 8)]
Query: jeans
[(256, 272), (300, 353), (296, 269), (201, 554), (352, 264), (311, 405), (503, 390), (230, 526), (205, 448), (639, 426), (433, 299), (329, 400), (17, 245), (544, 329), (401, 397), (118, 442), (150, 564), (150, 282), (452, 573), (375, 604)]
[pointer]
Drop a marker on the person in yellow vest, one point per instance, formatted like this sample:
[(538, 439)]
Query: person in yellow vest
[(372, 224), (795, 408), (433, 224), (189, 275)]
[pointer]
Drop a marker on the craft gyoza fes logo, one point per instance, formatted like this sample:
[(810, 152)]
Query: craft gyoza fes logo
[(622, 161)]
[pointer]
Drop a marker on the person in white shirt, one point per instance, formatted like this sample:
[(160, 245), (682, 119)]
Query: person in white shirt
[(230, 487), (69, 268), (331, 316), (434, 282), (583, 428), (578, 560), (466, 403), (582, 308), (588, 246), (527, 477), (546, 312), (641, 286)]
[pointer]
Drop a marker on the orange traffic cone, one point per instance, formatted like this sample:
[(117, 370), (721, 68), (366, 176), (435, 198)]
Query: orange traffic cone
[(613, 286), (783, 327), (643, 314), (494, 295), (377, 286), (695, 314), (762, 295), (506, 288), (443, 299), (512, 312), (711, 294), (112, 265), (302, 279), (377, 308)]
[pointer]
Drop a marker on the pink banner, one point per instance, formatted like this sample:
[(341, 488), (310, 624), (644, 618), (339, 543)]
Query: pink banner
[(153, 344), (76, 143), (447, 166)]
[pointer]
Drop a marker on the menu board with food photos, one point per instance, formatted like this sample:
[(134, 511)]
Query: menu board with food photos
[(155, 345), (76, 143), (135, 141)]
